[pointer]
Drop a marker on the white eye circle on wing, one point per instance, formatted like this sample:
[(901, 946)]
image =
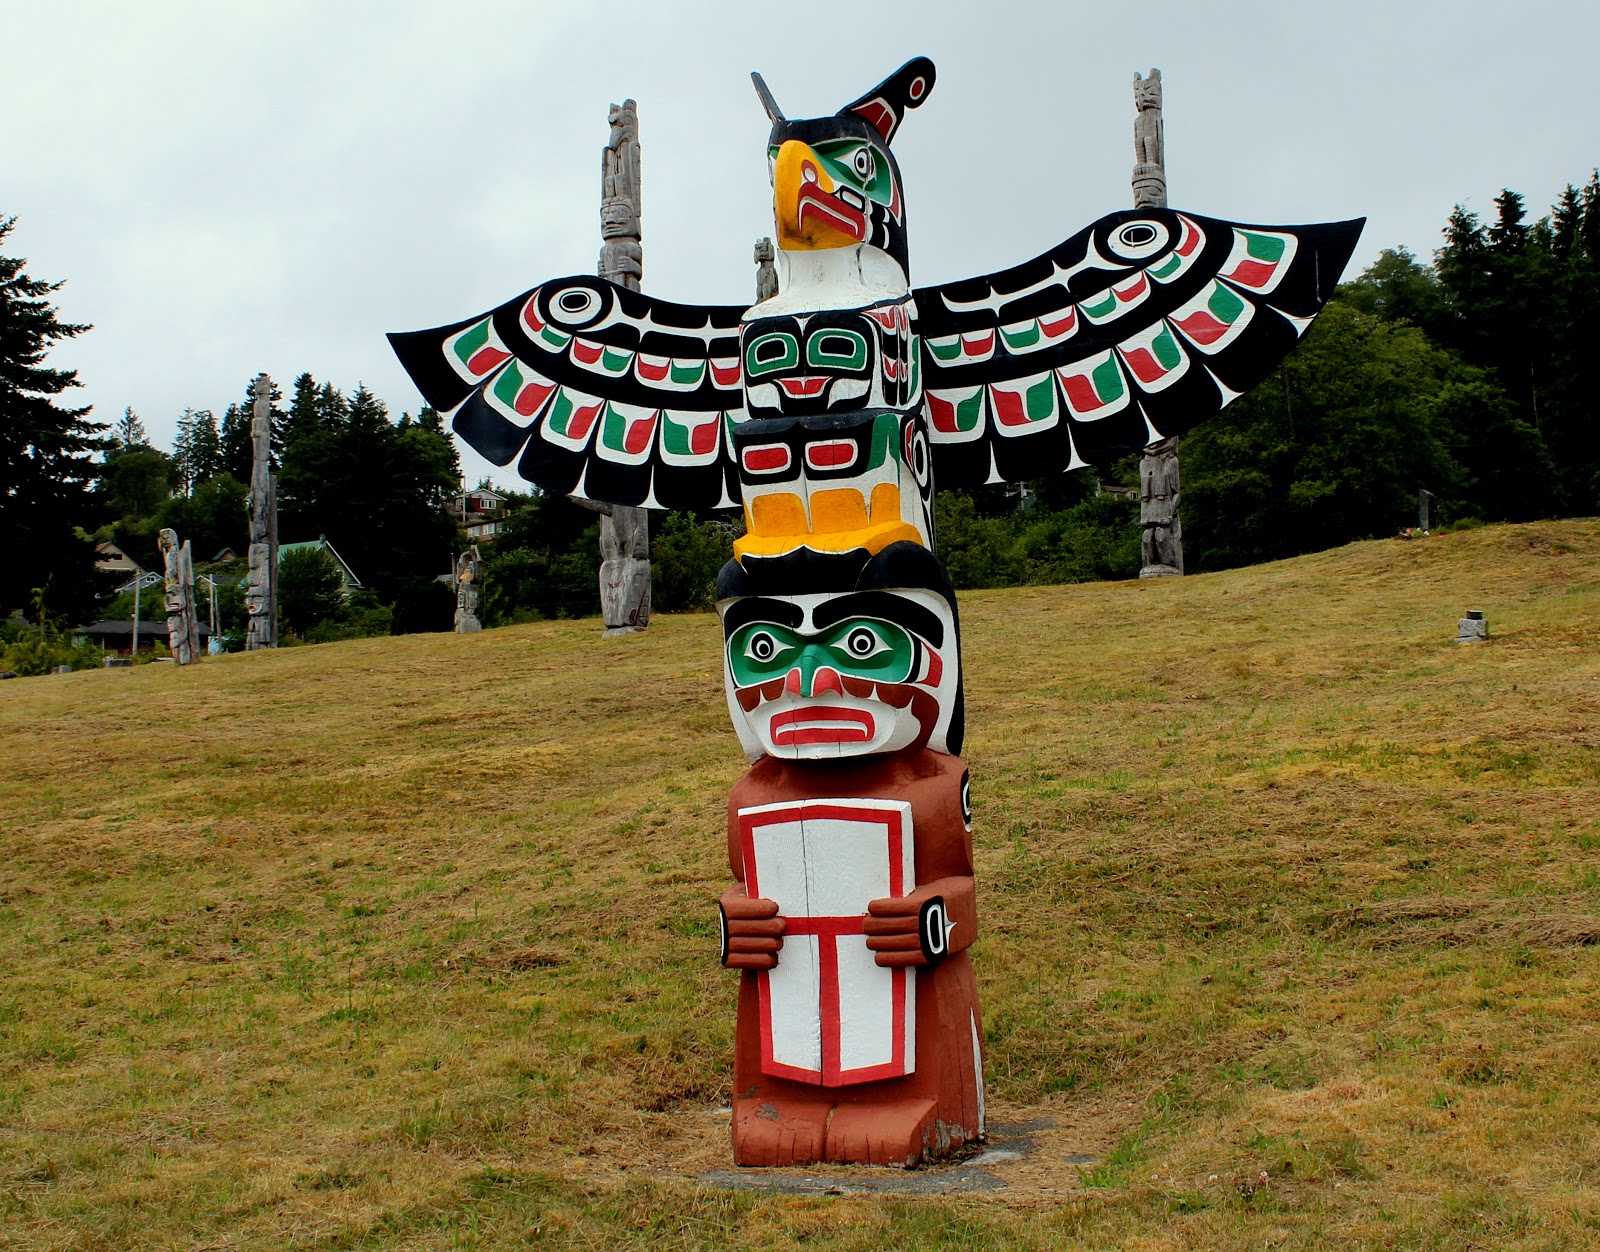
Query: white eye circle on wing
[(862, 643), (1136, 240), (575, 304)]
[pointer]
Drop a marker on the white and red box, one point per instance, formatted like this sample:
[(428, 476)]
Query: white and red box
[(829, 1013)]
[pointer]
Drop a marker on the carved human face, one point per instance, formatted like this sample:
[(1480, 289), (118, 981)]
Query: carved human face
[(821, 676)]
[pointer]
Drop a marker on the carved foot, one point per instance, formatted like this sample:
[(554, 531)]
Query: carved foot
[(899, 1132), (786, 1132)]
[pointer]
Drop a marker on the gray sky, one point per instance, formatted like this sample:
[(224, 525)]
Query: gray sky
[(232, 187)]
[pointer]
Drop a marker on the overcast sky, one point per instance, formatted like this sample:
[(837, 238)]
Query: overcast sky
[(229, 188)]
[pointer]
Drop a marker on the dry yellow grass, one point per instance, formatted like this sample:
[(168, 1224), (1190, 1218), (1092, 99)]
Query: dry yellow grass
[(408, 942)]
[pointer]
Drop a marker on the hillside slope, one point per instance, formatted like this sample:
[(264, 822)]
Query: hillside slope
[(411, 941)]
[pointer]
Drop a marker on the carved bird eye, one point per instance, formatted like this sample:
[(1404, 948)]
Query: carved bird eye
[(1138, 240), (864, 164)]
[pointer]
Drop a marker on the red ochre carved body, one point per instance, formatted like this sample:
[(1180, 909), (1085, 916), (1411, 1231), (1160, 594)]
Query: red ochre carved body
[(840, 1115)]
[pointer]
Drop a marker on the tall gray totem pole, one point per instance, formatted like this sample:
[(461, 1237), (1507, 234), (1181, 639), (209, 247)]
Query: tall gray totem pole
[(261, 598), (1161, 546), (624, 530)]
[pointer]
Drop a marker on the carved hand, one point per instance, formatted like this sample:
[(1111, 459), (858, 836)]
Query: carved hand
[(752, 931), (935, 920)]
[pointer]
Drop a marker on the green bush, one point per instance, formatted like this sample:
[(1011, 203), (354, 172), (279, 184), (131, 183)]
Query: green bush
[(686, 553)]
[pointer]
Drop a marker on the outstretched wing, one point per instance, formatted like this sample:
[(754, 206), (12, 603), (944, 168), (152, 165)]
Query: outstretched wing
[(1140, 327), (593, 390)]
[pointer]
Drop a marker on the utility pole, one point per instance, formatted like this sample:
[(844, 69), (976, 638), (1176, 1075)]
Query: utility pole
[(624, 530), (1161, 544)]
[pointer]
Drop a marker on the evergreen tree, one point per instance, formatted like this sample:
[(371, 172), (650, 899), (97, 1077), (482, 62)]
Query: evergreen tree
[(46, 453), (305, 417), (236, 439), (197, 450), (1333, 446), (378, 492), (129, 431), (1525, 304)]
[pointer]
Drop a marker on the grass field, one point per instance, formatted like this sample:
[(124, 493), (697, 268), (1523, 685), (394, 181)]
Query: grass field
[(1291, 913)]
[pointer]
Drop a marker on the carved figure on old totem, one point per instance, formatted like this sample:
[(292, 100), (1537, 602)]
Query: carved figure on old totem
[(826, 411), (183, 627), (469, 571)]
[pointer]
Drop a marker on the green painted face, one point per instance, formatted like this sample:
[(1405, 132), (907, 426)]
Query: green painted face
[(859, 647), (853, 163)]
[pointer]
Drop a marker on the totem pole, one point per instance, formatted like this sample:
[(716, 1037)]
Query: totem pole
[(183, 626), (826, 410), (1161, 543), (469, 570), (624, 529), (261, 597), (766, 271)]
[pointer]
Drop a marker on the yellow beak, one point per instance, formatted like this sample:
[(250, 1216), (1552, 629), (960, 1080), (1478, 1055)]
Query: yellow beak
[(805, 206)]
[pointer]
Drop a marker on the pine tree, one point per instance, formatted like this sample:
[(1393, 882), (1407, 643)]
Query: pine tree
[(304, 416), (236, 442), (129, 431), (46, 452), (197, 450)]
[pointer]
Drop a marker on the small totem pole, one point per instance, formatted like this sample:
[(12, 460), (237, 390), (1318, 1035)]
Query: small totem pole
[(826, 409), (1161, 545), (624, 529), (261, 598), (766, 271), (183, 628), (468, 569)]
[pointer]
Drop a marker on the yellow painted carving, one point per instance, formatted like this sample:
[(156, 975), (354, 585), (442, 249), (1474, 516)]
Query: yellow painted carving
[(839, 522), (777, 513), (843, 508), (797, 165)]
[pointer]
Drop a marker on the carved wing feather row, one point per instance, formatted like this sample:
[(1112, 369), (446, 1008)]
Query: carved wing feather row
[(1140, 327), (593, 390)]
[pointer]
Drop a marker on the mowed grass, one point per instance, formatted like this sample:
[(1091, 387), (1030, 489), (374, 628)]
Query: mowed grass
[(1290, 907)]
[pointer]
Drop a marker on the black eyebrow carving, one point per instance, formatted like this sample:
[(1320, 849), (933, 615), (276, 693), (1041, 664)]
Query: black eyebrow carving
[(883, 604), (761, 609)]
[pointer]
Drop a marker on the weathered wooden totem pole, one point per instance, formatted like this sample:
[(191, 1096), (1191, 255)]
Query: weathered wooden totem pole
[(261, 594), (624, 528), (826, 411), (469, 572), (1161, 538), (183, 626)]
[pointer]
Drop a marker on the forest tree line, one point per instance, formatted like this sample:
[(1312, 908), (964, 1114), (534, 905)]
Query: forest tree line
[(1473, 377)]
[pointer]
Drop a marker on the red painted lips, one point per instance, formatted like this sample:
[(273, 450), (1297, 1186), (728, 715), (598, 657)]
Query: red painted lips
[(822, 724)]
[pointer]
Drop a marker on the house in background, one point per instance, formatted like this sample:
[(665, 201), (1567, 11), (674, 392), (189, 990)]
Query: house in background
[(479, 511), (351, 582), (117, 637), (114, 560)]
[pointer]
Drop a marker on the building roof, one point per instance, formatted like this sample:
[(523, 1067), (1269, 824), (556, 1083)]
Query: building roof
[(123, 631), (350, 579)]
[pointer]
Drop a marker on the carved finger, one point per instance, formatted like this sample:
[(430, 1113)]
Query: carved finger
[(895, 943), (745, 909), (753, 943), (895, 906), (769, 926), (751, 960), (900, 960), (890, 925)]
